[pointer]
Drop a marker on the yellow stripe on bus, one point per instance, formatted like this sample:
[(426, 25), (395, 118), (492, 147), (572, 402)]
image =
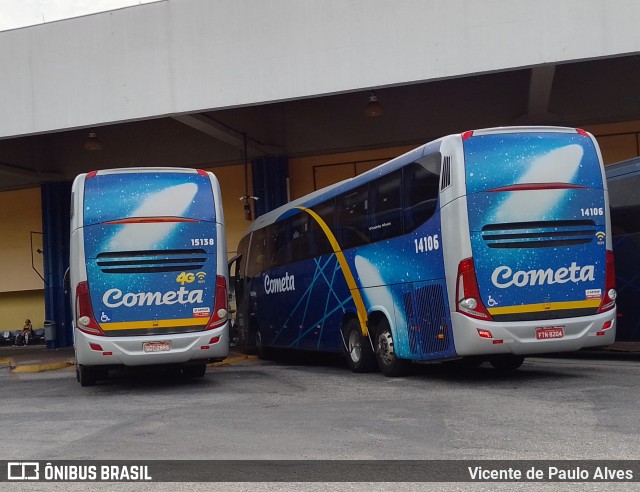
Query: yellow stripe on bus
[(147, 324), (346, 271), (549, 306)]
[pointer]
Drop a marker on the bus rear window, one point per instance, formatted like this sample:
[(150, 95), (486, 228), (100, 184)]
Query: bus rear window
[(496, 161), (111, 197)]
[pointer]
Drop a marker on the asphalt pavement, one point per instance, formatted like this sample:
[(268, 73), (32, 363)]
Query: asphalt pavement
[(38, 358)]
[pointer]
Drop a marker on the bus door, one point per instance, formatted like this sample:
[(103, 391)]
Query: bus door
[(240, 288), (275, 287)]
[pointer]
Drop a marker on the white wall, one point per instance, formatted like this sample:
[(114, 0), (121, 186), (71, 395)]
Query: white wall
[(189, 55)]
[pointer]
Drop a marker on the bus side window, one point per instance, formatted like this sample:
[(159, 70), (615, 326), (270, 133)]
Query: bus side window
[(386, 207), (319, 243), (277, 244), (257, 253), (353, 218), (299, 236), (421, 195)]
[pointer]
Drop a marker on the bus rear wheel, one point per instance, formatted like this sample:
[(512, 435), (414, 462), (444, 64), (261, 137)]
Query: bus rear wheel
[(506, 363), (389, 363), (360, 356), (261, 351), (86, 376)]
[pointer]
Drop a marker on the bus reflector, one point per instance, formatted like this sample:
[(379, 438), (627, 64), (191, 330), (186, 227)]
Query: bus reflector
[(220, 308), (484, 333), (96, 347), (582, 132), (84, 311), (610, 294), (468, 293), (467, 135)]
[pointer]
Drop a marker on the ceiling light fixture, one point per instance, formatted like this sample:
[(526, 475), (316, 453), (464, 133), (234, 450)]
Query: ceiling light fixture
[(373, 109), (92, 143)]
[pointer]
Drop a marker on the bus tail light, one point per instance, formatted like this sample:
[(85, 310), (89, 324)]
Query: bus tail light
[(220, 308), (610, 294), (84, 312), (468, 300)]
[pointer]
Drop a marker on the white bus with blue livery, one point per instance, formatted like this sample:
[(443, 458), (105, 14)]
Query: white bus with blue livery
[(488, 245), (148, 270)]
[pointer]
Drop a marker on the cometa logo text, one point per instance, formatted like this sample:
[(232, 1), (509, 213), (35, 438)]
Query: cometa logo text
[(114, 298), (282, 284), (504, 277)]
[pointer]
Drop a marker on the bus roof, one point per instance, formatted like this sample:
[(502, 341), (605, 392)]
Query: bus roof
[(622, 168), (333, 190)]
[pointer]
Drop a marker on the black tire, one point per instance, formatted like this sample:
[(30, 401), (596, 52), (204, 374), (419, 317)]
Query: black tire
[(86, 375), (261, 351), (358, 351), (194, 370), (506, 363), (389, 364)]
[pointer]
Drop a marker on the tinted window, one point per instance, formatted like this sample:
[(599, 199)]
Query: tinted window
[(300, 236), (257, 254), (420, 192), (386, 207), (277, 244), (625, 220), (319, 242), (352, 218)]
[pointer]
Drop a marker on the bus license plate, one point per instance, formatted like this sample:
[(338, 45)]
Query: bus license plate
[(156, 346), (551, 332)]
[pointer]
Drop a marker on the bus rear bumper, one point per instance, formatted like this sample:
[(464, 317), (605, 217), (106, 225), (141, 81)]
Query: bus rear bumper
[(476, 337), (181, 348)]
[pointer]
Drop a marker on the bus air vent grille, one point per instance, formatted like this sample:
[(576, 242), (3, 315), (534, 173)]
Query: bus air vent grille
[(445, 180), (177, 260), (427, 320), (541, 234)]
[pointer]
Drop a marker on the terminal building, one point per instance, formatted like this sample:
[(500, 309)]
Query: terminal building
[(281, 98)]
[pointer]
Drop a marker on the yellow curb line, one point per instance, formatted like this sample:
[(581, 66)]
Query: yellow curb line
[(42, 367), (5, 361), (61, 365), (233, 360)]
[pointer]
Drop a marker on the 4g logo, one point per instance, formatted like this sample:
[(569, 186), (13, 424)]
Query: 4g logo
[(189, 278)]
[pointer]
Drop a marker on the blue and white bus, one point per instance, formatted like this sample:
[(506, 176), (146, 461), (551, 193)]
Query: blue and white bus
[(148, 270), (488, 245), (623, 179)]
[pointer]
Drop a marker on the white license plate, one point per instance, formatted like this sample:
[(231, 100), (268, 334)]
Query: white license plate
[(156, 346), (550, 332)]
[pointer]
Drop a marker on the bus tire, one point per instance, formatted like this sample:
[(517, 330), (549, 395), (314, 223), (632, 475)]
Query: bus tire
[(389, 364), (194, 370), (506, 363), (262, 352), (358, 351), (86, 375)]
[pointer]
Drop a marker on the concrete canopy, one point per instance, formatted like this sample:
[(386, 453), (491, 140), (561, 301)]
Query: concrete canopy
[(189, 82)]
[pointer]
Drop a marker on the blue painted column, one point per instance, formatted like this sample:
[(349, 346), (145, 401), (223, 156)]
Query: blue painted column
[(270, 176), (56, 199)]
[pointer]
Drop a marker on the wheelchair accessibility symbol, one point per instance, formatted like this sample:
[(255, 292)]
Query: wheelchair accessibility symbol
[(104, 318), (491, 302)]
